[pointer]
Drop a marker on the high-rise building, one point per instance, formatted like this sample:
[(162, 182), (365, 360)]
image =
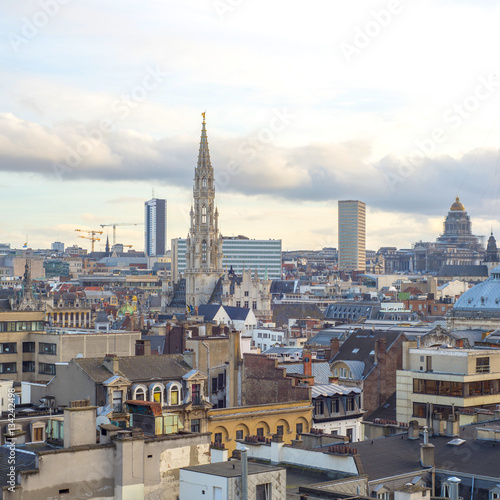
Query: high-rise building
[(352, 235), (155, 227)]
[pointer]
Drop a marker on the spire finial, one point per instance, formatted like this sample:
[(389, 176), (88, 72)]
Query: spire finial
[(203, 114)]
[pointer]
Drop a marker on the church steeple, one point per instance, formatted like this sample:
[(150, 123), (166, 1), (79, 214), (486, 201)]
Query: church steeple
[(204, 242)]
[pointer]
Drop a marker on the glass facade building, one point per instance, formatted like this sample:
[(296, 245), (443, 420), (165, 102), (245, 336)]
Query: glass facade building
[(261, 255)]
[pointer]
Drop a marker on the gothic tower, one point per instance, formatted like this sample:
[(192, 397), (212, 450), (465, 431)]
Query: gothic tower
[(204, 241)]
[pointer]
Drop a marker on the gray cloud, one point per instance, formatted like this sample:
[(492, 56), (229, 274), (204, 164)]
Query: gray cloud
[(315, 172)]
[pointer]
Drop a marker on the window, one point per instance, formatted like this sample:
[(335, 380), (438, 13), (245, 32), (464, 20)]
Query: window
[(260, 431), (8, 348), (483, 365), (279, 430), (263, 492), (47, 368), (28, 366), (204, 182), (254, 304), (140, 394), (157, 393), (342, 372), (214, 384), (238, 303), (174, 395), (45, 348), (218, 438), (349, 404), (195, 425), (246, 293), (28, 347), (195, 394), (204, 251), (299, 429), (246, 304), (318, 407), (445, 490), (8, 367), (239, 434), (221, 380), (203, 214)]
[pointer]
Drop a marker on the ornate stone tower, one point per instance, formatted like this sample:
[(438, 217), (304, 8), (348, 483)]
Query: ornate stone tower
[(204, 241)]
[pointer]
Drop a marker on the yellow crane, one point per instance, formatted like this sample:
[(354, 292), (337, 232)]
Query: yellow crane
[(93, 238), (114, 224)]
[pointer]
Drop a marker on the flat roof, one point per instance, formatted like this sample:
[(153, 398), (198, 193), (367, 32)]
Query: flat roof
[(232, 469)]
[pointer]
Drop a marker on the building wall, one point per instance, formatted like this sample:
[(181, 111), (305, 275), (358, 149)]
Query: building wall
[(260, 255), (133, 467), (262, 382), (67, 347), (450, 365), (248, 419)]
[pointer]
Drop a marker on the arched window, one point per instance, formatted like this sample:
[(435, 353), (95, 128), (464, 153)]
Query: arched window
[(204, 251), (139, 393), (156, 392), (204, 182), (203, 214), (445, 490), (174, 393)]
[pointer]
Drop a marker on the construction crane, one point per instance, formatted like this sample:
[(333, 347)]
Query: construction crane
[(120, 224), (93, 238)]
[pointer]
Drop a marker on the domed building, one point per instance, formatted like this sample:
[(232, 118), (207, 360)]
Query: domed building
[(478, 307), (458, 229)]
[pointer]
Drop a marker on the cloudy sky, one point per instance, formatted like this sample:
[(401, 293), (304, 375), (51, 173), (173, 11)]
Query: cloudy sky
[(394, 102)]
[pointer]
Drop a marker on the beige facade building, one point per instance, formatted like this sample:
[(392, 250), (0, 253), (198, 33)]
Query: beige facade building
[(445, 381), (28, 353), (352, 235)]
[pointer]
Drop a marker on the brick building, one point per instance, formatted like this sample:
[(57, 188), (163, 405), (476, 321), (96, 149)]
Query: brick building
[(369, 360)]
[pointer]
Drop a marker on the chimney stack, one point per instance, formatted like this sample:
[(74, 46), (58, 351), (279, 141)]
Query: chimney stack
[(79, 424), (334, 346), (111, 363), (413, 430)]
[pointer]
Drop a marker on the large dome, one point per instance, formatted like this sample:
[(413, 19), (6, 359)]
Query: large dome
[(457, 206), (484, 296)]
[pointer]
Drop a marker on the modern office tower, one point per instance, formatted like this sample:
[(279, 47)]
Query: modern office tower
[(352, 235), (155, 227), (263, 256)]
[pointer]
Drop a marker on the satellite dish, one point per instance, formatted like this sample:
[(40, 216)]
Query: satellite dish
[(79, 355), (101, 420)]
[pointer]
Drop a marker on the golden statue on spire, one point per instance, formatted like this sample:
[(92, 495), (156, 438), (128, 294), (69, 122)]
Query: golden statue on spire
[(203, 114)]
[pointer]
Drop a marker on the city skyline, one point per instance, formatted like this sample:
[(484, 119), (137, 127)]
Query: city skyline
[(304, 108)]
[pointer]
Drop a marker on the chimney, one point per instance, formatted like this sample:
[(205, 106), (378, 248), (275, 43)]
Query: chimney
[(413, 430), (307, 361), (452, 428), (453, 482), (79, 424), (380, 349), (111, 363), (334, 346), (438, 424), (142, 347)]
